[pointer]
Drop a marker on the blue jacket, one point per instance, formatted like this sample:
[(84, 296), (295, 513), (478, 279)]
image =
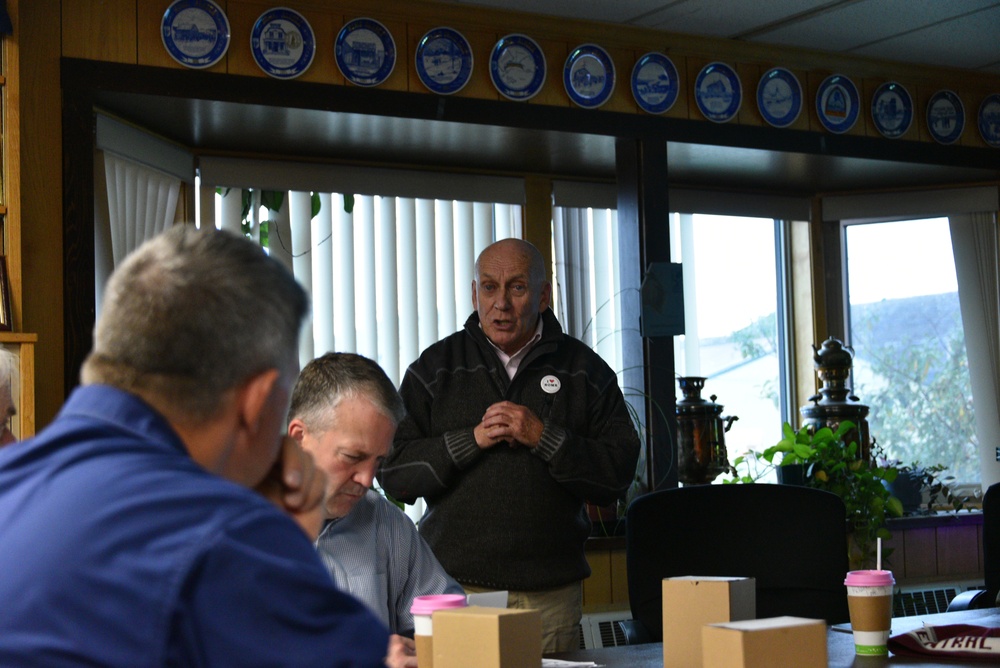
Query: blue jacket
[(117, 549)]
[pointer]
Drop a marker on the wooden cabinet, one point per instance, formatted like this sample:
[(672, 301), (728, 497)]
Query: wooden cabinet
[(945, 547), (607, 587), (21, 344)]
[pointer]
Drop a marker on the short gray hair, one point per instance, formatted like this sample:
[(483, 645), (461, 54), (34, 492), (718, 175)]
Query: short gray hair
[(191, 314), (328, 380)]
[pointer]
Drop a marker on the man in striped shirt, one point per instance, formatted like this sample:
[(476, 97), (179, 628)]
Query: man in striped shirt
[(344, 411)]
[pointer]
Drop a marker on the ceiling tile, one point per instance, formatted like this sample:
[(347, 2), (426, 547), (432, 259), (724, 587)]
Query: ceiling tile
[(870, 22), (953, 33), (723, 18), (971, 42), (619, 11)]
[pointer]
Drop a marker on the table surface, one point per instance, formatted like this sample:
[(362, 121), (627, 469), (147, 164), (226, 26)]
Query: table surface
[(840, 646)]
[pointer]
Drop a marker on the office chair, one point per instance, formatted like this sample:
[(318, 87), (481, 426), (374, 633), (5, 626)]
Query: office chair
[(986, 597), (792, 540)]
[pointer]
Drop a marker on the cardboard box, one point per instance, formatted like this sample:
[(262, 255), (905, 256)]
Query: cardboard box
[(690, 602), (487, 638), (764, 643)]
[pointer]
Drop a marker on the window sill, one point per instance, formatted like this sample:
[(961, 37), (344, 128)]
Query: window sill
[(938, 519)]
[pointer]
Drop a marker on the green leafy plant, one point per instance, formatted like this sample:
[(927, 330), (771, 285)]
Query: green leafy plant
[(929, 480), (272, 200), (835, 466), (937, 486), (748, 468)]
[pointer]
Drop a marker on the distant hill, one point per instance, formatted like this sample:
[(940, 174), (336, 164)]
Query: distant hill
[(911, 320)]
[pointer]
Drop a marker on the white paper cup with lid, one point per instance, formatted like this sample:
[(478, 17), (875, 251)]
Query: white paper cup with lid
[(422, 609), (869, 597)]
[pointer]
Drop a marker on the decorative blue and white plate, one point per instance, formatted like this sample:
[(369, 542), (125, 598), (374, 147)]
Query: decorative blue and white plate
[(365, 52), (892, 109), (837, 103), (655, 83), (282, 43), (195, 32), (945, 117), (517, 67), (444, 60), (989, 119), (589, 76), (779, 97), (718, 92)]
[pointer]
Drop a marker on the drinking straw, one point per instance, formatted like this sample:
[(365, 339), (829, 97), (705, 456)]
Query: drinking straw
[(878, 554)]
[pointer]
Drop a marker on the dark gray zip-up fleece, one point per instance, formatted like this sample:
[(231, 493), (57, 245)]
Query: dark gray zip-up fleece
[(511, 517)]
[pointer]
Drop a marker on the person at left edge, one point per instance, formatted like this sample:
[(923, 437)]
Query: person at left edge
[(8, 376), (130, 535)]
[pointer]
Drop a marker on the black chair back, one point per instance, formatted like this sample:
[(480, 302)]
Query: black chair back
[(991, 543), (792, 540)]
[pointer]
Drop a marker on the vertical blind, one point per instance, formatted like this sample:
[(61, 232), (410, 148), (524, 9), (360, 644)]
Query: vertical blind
[(386, 279), (137, 185), (387, 260), (137, 202), (587, 279)]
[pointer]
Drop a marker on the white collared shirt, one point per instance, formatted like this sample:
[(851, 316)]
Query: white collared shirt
[(375, 553), (511, 362)]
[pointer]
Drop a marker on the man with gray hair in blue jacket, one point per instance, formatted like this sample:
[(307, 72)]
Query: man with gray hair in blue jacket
[(153, 522)]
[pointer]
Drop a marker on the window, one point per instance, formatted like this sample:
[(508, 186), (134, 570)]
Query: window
[(731, 306), (734, 298), (905, 269), (905, 322)]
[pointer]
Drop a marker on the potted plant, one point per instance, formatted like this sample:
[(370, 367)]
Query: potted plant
[(830, 464), (916, 482)]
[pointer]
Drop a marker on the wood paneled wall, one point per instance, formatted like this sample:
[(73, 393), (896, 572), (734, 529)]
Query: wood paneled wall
[(936, 549), (38, 126), (924, 550), (130, 33), (127, 31)]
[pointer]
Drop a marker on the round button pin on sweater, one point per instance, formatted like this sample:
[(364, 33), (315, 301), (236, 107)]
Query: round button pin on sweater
[(551, 384)]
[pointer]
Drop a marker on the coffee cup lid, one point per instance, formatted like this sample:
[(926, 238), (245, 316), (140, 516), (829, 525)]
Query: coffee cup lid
[(425, 605), (869, 579)]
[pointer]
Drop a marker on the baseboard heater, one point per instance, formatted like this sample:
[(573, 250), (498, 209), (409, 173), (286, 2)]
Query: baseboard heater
[(601, 629), (929, 598)]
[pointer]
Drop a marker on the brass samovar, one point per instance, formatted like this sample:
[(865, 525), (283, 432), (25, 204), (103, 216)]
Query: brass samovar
[(835, 401), (701, 432)]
